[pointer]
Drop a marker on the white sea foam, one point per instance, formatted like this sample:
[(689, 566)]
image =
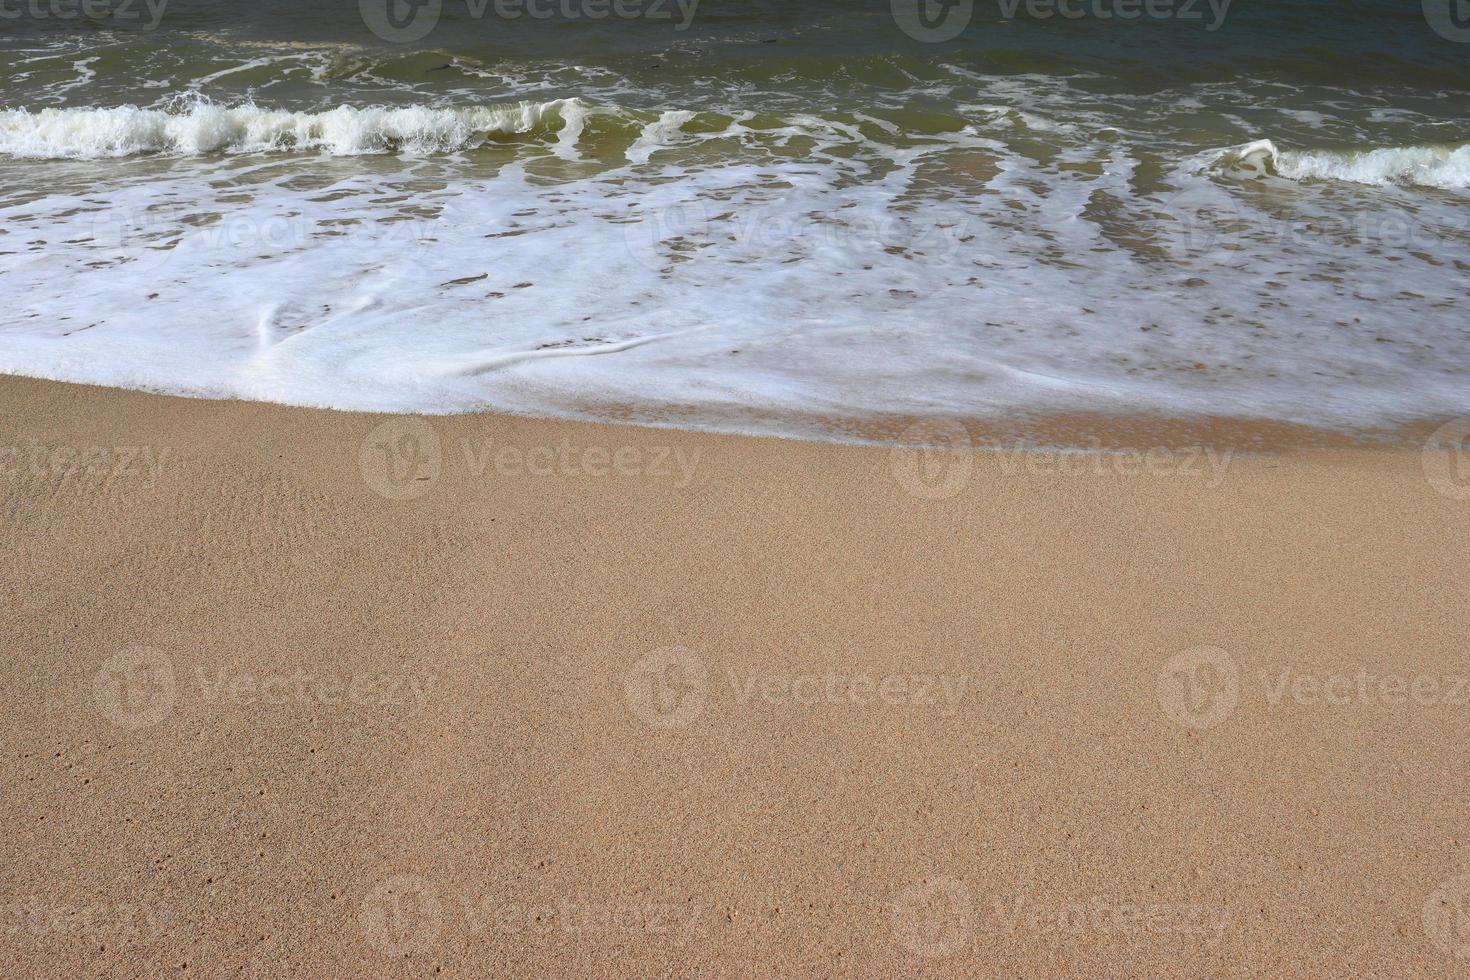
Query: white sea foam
[(203, 127), (1424, 166), (656, 134), (867, 272)]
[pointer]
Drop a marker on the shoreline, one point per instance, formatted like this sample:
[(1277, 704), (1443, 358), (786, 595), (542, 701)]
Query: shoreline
[(359, 695), (1044, 432)]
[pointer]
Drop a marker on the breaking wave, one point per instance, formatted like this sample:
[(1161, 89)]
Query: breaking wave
[(204, 127), (1424, 166)]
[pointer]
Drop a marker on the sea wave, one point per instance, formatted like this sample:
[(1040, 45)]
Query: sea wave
[(1424, 166), (204, 127)]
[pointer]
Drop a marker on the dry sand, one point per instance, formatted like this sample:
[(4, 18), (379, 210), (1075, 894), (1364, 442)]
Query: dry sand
[(748, 707)]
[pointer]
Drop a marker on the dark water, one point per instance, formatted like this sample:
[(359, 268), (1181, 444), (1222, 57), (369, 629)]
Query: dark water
[(1384, 43)]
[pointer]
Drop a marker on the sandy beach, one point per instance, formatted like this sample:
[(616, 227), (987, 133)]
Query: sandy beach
[(310, 693)]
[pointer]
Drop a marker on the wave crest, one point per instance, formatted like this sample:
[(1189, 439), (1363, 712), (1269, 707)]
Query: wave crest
[(205, 127), (1424, 166)]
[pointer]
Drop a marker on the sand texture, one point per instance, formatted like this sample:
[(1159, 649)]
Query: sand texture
[(302, 693)]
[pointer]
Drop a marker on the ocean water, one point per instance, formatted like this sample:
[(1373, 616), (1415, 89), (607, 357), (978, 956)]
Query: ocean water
[(749, 215)]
